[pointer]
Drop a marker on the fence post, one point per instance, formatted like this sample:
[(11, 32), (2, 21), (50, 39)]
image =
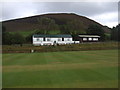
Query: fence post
[(32, 50)]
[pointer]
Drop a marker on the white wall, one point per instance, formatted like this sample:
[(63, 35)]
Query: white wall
[(35, 39), (53, 39)]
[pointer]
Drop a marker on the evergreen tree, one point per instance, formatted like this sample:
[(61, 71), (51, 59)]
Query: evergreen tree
[(96, 30), (115, 33)]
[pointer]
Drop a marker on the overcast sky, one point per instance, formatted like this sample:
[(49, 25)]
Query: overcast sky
[(105, 13)]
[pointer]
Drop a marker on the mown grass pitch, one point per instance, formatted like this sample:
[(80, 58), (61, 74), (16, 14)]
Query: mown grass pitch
[(76, 69)]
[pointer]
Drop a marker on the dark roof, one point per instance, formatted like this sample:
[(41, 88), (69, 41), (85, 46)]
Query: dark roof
[(55, 36), (88, 36)]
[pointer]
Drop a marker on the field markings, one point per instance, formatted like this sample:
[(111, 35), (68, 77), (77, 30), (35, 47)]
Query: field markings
[(76, 84), (55, 66), (95, 57)]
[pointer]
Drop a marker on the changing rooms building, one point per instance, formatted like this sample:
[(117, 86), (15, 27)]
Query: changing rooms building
[(52, 39)]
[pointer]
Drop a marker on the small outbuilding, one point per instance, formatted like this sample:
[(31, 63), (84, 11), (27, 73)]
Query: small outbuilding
[(88, 38)]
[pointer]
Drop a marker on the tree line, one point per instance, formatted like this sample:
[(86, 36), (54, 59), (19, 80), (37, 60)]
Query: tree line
[(115, 33), (9, 38)]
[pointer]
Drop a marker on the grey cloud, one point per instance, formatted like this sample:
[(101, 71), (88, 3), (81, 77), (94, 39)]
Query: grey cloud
[(84, 8), (81, 8), (89, 9)]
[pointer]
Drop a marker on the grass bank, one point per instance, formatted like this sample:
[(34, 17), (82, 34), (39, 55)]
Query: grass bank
[(72, 47)]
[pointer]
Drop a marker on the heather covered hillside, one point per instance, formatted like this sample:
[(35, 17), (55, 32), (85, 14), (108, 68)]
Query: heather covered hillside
[(57, 22)]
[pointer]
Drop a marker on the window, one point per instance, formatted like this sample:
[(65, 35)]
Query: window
[(59, 39), (84, 39), (95, 39), (68, 39), (37, 39), (48, 39), (90, 39)]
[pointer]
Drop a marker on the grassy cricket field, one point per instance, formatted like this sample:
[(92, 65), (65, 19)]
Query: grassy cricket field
[(74, 69)]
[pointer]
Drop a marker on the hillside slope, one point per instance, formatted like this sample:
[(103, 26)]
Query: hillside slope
[(31, 23)]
